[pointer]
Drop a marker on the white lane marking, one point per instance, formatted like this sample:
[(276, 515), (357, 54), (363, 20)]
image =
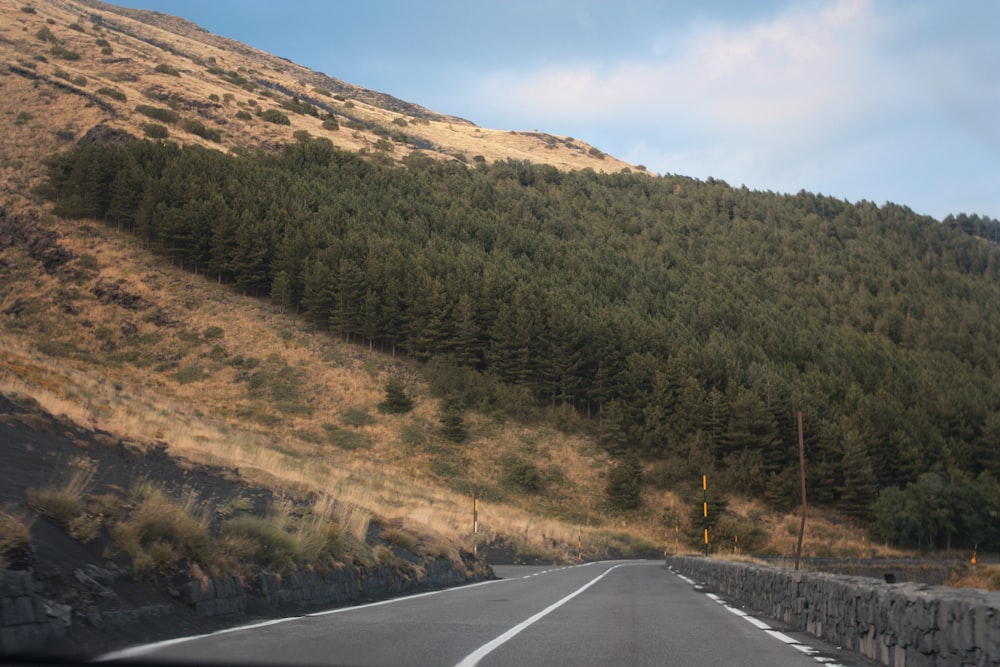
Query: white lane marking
[(344, 610), (808, 650), (780, 636), (473, 658), (752, 620), (144, 649), (135, 651)]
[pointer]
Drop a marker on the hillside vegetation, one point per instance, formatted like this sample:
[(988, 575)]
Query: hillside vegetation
[(328, 289), (690, 320), (68, 65), (75, 299)]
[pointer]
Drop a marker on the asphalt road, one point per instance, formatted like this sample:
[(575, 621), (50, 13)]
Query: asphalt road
[(611, 613)]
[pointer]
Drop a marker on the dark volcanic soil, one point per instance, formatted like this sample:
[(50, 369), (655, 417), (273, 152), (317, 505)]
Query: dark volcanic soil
[(37, 450)]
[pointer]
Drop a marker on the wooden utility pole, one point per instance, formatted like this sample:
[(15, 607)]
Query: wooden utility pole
[(802, 475)]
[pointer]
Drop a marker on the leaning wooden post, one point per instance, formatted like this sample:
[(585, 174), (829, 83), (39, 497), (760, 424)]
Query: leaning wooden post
[(802, 475)]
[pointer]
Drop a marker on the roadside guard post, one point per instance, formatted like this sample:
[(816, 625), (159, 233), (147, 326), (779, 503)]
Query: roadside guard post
[(704, 507)]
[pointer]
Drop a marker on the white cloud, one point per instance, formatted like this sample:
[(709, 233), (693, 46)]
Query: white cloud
[(751, 104), (848, 97), (796, 68)]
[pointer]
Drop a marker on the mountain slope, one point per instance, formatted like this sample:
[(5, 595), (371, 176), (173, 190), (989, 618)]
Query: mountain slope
[(113, 60), (70, 67), (569, 319)]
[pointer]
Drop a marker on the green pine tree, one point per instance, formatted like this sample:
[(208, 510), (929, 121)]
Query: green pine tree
[(397, 400), (453, 419), (622, 491)]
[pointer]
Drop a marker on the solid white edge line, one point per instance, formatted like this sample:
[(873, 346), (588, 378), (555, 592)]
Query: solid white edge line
[(342, 610), (143, 649), (134, 651), (753, 620), (473, 658), (781, 636)]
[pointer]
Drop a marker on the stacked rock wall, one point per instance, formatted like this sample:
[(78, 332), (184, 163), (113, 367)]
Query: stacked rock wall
[(29, 623), (26, 621), (904, 625)]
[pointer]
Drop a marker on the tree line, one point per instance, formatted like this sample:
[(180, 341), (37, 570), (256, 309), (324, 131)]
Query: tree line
[(688, 320)]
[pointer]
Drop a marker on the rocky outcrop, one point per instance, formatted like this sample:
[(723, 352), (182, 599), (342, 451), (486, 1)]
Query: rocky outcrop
[(25, 230)]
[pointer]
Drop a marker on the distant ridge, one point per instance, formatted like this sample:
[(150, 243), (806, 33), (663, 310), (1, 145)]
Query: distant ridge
[(192, 31)]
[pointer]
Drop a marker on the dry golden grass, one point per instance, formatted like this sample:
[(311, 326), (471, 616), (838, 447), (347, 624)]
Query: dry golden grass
[(175, 385), (163, 532), (65, 501), (200, 420), (130, 69), (985, 577), (387, 477), (16, 549)]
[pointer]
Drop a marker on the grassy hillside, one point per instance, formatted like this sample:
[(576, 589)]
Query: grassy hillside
[(68, 67), (580, 317), (74, 64)]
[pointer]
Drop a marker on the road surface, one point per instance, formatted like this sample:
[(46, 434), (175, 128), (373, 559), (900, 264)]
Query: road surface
[(608, 613)]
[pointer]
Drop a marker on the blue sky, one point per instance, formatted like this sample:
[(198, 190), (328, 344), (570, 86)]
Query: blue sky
[(859, 99)]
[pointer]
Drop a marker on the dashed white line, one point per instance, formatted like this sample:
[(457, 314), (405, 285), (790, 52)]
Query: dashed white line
[(473, 658)]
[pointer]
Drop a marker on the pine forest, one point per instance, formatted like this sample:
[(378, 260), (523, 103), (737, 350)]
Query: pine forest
[(688, 322)]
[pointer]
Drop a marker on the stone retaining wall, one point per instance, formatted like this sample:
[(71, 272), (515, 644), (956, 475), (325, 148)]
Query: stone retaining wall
[(25, 624), (28, 622), (903, 625)]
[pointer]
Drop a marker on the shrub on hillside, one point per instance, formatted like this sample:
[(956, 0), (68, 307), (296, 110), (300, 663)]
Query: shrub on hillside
[(158, 113), (64, 53), (200, 129), (522, 475), (163, 68), (276, 117), (112, 93), (155, 131), (356, 417)]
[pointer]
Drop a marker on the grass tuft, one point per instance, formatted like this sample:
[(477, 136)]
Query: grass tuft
[(251, 538), (65, 502), (400, 538), (16, 549), (161, 533)]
